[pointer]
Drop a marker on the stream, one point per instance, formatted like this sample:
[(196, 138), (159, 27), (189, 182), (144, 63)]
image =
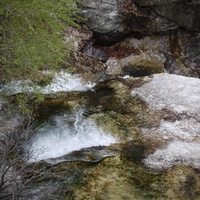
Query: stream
[(122, 138), (65, 133)]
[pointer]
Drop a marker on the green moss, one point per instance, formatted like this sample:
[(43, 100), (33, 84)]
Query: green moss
[(143, 67), (121, 126), (116, 178)]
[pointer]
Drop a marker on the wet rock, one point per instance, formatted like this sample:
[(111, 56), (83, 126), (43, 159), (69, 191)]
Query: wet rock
[(92, 154), (160, 122), (133, 151), (136, 65), (117, 112), (146, 58), (96, 53), (142, 66), (116, 178)]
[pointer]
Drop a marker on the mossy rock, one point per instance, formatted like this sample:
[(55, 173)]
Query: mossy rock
[(143, 67), (183, 183), (118, 179), (120, 126)]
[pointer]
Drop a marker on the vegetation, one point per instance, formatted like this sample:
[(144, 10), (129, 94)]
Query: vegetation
[(31, 36), (31, 39), (16, 176), (20, 179)]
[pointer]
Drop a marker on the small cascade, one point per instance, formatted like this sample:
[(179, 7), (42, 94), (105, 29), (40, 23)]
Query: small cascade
[(78, 122), (62, 81), (65, 133)]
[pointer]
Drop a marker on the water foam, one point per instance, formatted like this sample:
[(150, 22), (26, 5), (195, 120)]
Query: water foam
[(181, 95), (177, 152), (184, 129), (178, 93), (66, 133), (67, 82), (62, 81)]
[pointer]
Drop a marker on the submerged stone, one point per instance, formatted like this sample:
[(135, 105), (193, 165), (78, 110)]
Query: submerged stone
[(133, 151)]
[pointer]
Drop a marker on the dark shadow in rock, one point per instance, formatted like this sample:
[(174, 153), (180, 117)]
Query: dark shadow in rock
[(140, 71), (133, 151), (108, 39)]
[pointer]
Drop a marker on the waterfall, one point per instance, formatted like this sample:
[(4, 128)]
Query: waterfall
[(65, 133)]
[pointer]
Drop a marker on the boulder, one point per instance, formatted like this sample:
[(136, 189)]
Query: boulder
[(136, 66), (176, 53), (112, 20)]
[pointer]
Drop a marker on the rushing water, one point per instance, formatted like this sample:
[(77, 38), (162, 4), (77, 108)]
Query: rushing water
[(62, 81), (177, 152), (69, 131), (65, 133), (181, 96)]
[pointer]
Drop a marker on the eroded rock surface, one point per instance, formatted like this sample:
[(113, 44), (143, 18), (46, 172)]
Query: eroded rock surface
[(112, 20)]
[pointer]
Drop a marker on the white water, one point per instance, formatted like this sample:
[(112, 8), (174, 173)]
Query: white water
[(177, 152), (183, 148), (177, 93), (184, 130), (67, 82), (62, 81), (66, 133), (180, 95)]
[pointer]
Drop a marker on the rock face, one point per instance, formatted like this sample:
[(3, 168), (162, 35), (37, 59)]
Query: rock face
[(112, 20), (136, 65), (186, 13), (174, 24)]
